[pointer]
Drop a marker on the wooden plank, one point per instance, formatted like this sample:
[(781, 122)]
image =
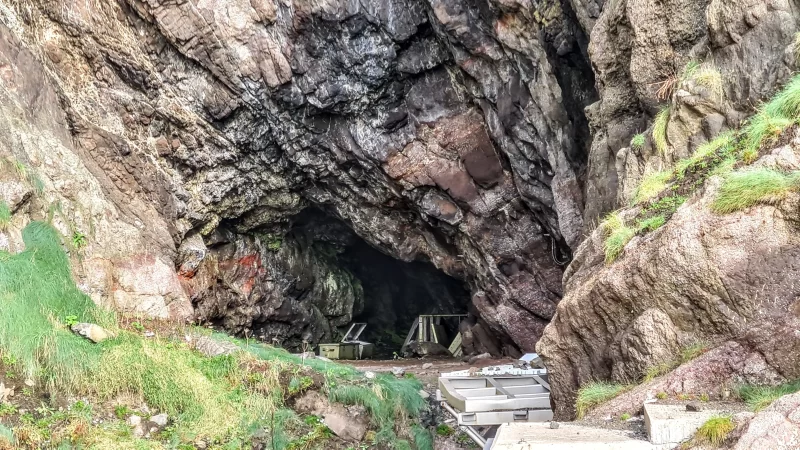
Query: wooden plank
[(408, 338), (455, 346)]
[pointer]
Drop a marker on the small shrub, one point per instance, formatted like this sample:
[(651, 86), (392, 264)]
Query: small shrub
[(662, 396), (595, 393), (651, 185), (660, 130), (750, 187), (759, 397), (70, 320), (617, 236), (667, 205), (704, 397), (638, 141), (444, 430), (715, 430), (79, 240), (624, 417)]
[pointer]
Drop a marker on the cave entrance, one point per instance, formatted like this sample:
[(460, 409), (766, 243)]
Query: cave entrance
[(395, 292)]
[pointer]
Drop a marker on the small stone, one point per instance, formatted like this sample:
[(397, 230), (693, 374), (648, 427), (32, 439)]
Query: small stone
[(369, 375), (149, 334), (424, 394), (477, 358), (160, 420), (427, 366), (322, 358), (163, 147), (29, 382), (694, 407), (134, 420), (554, 425), (90, 331), (398, 371)]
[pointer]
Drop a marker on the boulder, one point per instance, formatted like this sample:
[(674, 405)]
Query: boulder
[(343, 423)]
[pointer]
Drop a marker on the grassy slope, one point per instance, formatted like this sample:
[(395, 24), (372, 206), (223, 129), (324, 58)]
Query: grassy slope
[(223, 400)]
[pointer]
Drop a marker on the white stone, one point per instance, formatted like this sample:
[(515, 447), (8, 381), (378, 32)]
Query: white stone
[(160, 420)]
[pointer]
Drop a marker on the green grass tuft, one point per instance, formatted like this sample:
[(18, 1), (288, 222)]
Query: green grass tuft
[(638, 141), (5, 215), (723, 145), (423, 438), (595, 393), (224, 399), (660, 130), (759, 397), (693, 351), (617, 236), (650, 224), (746, 188), (762, 129), (709, 77), (651, 185), (715, 430)]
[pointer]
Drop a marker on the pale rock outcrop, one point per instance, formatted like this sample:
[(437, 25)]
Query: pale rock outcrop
[(701, 277)]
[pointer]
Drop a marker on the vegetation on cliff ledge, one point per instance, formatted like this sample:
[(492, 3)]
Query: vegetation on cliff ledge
[(229, 401)]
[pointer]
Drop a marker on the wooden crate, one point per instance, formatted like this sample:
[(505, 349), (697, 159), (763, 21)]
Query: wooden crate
[(339, 350)]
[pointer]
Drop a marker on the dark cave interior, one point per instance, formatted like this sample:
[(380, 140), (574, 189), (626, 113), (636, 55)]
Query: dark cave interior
[(395, 292)]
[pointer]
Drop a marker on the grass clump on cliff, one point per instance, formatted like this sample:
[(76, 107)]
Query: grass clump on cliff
[(746, 188), (595, 393), (224, 400), (759, 397), (651, 186), (617, 236), (660, 130), (715, 430)]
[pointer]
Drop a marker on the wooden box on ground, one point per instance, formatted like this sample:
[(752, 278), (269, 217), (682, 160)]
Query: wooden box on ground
[(339, 350)]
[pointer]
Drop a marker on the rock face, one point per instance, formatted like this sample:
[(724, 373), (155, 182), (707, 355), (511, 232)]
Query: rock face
[(436, 130), (225, 160), (701, 277), (777, 426)]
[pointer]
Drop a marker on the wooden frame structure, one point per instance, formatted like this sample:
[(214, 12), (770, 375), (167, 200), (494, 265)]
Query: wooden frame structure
[(428, 328)]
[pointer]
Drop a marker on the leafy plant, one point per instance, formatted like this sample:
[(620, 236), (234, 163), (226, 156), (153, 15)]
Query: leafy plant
[(662, 396), (79, 240), (638, 141), (624, 417), (444, 430), (138, 326), (70, 320), (704, 397)]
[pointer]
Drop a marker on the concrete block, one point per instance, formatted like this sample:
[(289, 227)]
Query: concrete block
[(540, 436), (673, 424)]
